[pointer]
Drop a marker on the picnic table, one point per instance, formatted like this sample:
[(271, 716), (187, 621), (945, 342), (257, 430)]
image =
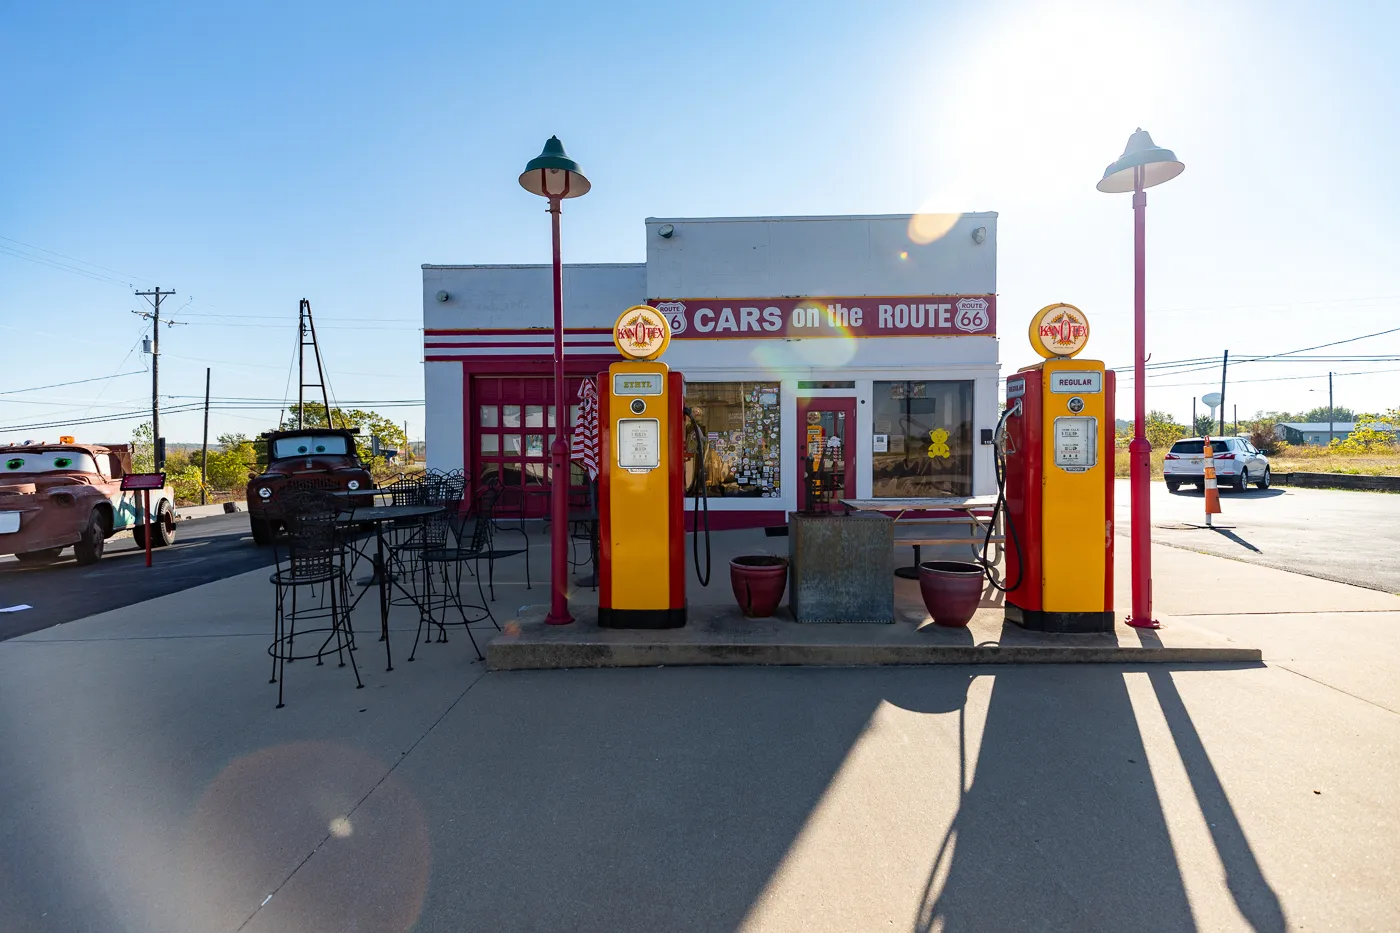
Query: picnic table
[(918, 523)]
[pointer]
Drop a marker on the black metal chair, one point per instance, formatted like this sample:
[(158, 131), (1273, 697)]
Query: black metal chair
[(309, 556), (486, 513), (457, 540), (495, 502)]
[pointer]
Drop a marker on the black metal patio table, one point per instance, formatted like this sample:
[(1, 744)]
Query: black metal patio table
[(377, 515)]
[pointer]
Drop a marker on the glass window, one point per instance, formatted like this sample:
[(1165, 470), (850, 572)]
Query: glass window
[(510, 416), (490, 444), (488, 416), (923, 439), (534, 416), (512, 444), (740, 421), (534, 445)]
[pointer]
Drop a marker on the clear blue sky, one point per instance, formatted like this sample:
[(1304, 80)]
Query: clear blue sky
[(254, 154)]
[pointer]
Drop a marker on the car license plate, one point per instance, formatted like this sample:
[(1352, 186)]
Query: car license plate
[(9, 522), (1198, 463)]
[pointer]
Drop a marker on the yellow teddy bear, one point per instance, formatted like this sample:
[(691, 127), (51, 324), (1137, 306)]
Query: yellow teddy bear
[(939, 447)]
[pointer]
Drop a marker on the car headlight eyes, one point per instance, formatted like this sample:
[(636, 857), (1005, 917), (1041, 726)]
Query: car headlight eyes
[(353, 484), (265, 493)]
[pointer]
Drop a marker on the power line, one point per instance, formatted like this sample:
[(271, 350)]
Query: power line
[(126, 275), (75, 382)]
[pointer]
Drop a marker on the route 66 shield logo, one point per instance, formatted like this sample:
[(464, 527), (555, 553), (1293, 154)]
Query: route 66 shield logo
[(675, 315)]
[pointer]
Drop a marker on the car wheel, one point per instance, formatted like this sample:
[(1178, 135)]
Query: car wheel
[(1264, 483), (90, 546), (1173, 487), (262, 531), (1242, 479), (162, 528), (46, 556)]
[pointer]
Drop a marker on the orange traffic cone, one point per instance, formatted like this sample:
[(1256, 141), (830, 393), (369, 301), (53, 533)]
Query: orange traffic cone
[(1212, 493)]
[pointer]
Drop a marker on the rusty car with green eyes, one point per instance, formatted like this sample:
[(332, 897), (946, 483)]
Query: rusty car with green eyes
[(54, 496)]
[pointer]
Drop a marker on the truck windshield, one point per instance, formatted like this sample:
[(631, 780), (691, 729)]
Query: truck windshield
[(309, 445), (47, 461), (1196, 447)]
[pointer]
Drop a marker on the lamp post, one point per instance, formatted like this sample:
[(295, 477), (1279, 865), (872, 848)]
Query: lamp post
[(553, 175), (1142, 165)]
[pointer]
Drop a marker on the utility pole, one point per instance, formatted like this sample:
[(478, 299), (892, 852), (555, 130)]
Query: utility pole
[(155, 297), (1330, 415), (1224, 367), (1194, 422), (204, 452), (1237, 418)]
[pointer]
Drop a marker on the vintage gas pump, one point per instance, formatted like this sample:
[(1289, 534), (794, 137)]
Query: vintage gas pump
[(1057, 439), (641, 480)]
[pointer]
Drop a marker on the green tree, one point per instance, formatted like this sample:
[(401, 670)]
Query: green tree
[(1205, 424), (143, 449), (186, 482), (1319, 414), (1373, 438), (230, 465), (1162, 431)]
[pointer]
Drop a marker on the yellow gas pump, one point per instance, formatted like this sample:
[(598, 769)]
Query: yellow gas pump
[(641, 480), (1055, 472)]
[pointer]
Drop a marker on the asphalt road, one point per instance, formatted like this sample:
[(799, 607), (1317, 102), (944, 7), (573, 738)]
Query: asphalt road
[(205, 549), (1350, 537)]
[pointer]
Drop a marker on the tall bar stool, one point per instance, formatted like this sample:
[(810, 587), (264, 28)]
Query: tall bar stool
[(310, 556)]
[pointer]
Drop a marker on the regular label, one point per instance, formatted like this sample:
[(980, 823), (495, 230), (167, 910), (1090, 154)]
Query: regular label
[(1015, 388), (1076, 382), (1076, 444), (638, 443)]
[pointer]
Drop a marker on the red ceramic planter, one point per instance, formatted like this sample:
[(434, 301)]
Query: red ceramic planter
[(952, 590), (759, 583)]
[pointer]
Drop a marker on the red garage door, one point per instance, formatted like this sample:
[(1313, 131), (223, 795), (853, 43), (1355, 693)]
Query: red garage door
[(513, 423)]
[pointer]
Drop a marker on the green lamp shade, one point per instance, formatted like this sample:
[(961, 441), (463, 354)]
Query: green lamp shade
[(1157, 165), (552, 174)]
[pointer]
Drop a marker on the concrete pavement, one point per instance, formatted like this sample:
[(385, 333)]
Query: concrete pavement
[(149, 784), (1350, 537)]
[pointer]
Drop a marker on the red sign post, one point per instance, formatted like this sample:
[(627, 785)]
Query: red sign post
[(144, 482)]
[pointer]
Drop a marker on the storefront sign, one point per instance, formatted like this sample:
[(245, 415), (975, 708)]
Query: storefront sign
[(787, 318), (1015, 387), (1059, 330), (641, 333)]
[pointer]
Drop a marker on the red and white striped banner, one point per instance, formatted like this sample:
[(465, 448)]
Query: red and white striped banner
[(584, 447)]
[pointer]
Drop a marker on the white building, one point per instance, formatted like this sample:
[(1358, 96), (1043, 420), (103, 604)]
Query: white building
[(788, 329)]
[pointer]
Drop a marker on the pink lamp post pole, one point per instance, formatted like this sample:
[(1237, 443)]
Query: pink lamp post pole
[(553, 175), (1142, 165), (1139, 450)]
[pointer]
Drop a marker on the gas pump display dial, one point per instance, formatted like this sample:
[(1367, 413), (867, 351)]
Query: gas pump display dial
[(1076, 404)]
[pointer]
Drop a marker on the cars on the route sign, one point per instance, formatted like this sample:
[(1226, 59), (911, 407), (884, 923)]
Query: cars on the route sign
[(53, 496), (314, 458), (1237, 464)]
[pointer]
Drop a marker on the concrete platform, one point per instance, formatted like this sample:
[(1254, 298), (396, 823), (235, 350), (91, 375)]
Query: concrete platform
[(720, 635)]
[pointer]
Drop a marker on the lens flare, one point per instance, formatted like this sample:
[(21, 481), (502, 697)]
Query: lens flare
[(903, 255), (925, 228)]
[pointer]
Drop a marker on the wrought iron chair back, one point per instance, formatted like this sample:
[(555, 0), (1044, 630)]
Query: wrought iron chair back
[(313, 543)]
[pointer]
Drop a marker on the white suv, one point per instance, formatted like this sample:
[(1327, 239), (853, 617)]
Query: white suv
[(1237, 464)]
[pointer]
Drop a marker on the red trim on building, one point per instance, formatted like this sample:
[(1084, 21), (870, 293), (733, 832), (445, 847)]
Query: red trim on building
[(604, 493), (467, 470), (510, 331), (1110, 388), (528, 364), (729, 521), (538, 344), (676, 475)]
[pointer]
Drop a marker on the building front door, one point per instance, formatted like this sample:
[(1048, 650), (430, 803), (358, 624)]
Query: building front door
[(826, 452)]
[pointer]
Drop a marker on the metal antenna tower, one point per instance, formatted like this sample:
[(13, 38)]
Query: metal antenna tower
[(307, 328)]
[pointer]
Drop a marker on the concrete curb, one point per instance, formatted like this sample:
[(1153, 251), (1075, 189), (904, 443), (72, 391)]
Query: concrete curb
[(506, 655), (1340, 481), (204, 511)]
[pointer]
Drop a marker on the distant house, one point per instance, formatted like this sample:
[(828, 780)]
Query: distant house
[(1315, 433)]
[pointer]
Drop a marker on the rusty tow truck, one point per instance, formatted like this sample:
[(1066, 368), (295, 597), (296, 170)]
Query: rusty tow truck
[(312, 458), (54, 496)]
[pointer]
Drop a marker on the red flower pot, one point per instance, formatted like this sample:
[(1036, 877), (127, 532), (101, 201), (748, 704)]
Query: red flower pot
[(952, 590), (758, 584)]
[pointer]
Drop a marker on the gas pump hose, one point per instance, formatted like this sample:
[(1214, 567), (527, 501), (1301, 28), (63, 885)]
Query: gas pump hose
[(999, 464), (702, 499)]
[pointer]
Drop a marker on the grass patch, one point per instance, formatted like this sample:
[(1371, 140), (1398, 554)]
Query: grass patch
[(1298, 460)]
